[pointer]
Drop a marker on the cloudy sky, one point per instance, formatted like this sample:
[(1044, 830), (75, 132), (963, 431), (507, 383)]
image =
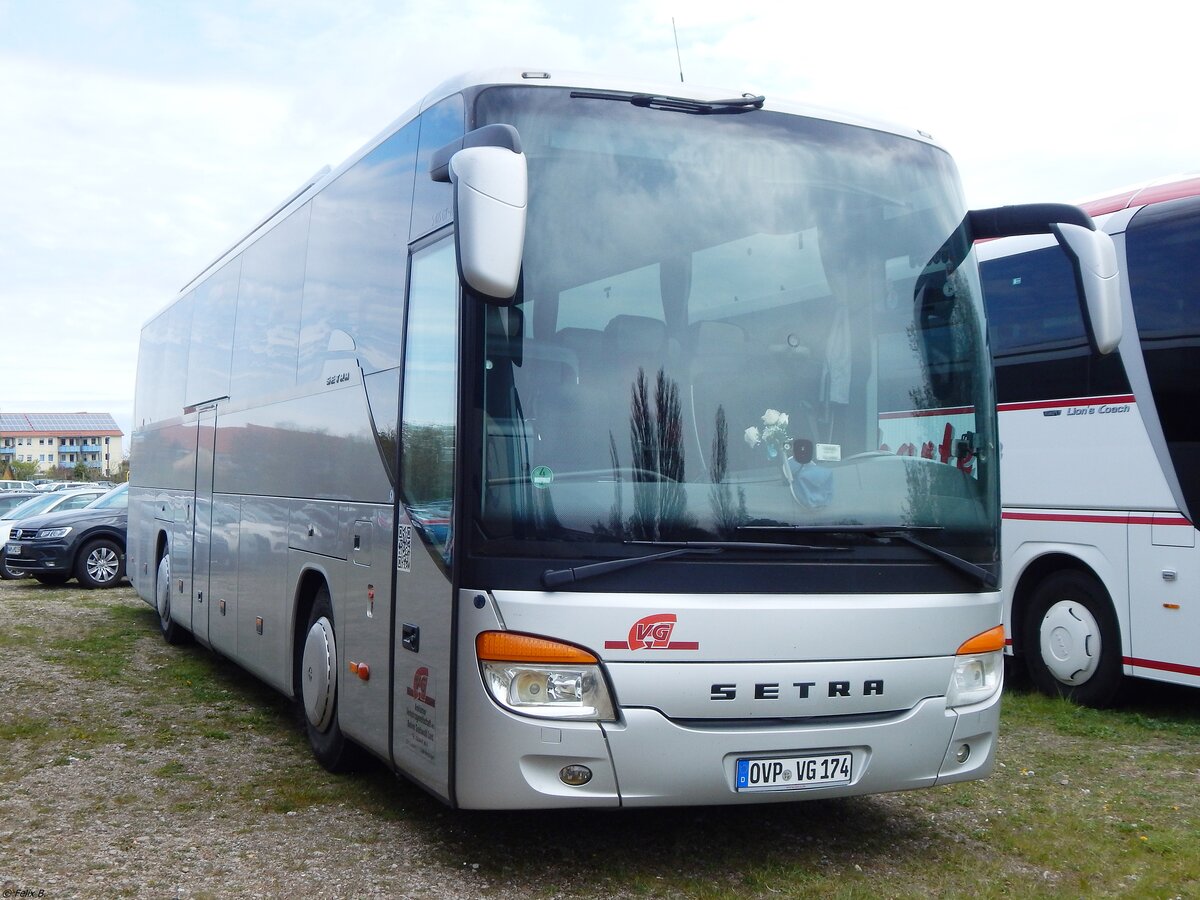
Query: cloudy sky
[(139, 139)]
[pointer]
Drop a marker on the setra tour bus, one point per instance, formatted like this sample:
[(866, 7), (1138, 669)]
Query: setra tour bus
[(535, 450), (1101, 454)]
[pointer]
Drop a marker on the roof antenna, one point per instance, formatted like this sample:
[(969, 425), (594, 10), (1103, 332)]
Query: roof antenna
[(678, 58)]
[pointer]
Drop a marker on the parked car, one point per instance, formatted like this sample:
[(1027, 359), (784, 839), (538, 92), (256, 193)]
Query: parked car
[(9, 484), (36, 506), (13, 499), (87, 544)]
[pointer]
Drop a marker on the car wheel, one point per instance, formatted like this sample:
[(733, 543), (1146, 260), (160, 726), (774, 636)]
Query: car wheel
[(52, 580), (100, 564), (1072, 644), (7, 573), (318, 690), (172, 631)]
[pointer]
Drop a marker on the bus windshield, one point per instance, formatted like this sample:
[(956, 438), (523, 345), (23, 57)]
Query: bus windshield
[(729, 324)]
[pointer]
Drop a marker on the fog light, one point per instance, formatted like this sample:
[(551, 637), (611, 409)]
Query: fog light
[(575, 775), (963, 754)]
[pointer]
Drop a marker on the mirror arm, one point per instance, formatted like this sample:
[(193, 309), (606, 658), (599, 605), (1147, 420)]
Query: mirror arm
[(505, 136), (1028, 218)]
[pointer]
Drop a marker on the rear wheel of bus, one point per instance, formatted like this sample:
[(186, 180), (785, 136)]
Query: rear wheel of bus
[(1072, 645)]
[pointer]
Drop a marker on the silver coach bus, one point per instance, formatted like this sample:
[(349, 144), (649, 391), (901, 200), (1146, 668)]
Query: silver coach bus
[(536, 450)]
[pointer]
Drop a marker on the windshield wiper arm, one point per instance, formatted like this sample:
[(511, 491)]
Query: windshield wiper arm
[(557, 577), (902, 533), (553, 578), (744, 103)]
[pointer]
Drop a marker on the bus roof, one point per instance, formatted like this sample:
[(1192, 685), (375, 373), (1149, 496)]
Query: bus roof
[(1158, 191), (532, 77)]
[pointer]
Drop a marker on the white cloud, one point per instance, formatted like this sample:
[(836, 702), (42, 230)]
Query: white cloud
[(142, 139)]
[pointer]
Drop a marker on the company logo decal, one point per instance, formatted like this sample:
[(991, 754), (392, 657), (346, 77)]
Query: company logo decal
[(420, 687), (652, 632)]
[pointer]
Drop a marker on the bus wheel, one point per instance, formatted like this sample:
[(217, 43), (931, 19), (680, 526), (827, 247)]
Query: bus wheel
[(318, 689), (172, 631), (1072, 645)]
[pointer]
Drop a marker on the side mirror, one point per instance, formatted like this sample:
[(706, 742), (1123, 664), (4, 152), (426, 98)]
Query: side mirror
[(491, 198), (1095, 261), (1091, 252)]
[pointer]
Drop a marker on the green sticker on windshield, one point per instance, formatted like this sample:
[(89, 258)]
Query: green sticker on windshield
[(541, 476)]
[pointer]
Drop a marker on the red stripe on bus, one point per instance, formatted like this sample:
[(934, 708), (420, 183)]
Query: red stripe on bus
[(1178, 668), (1128, 519), (1143, 196), (1059, 404), (926, 413)]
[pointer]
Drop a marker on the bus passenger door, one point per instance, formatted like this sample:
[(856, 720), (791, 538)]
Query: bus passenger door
[(206, 439), (424, 544)]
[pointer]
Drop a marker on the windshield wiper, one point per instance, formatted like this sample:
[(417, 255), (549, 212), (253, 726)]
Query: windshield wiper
[(899, 532), (744, 103), (552, 578)]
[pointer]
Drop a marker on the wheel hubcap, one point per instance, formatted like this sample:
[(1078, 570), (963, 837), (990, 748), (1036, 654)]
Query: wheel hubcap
[(1070, 642), (319, 674), (163, 593), (102, 564)]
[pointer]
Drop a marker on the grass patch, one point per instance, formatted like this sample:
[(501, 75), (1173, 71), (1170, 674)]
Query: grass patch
[(1082, 803)]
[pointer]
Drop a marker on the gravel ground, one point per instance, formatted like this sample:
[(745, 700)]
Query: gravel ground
[(117, 784)]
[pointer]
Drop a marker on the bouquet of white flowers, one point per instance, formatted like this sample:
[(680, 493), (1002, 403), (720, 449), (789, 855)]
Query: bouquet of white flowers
[(774, 433)]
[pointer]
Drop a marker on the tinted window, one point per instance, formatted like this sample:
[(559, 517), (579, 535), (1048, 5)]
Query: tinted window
[(432, 200), (1032, 302), (268, 310), (357, 251), (212, 335), (430, 391), (1164, 269), (1039, 341), (162, 364), (1162, 245), (383, 395)]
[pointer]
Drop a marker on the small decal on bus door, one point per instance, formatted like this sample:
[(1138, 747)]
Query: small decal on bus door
[(419, 723)]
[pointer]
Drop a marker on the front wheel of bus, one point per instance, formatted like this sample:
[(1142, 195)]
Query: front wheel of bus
[(1072, 644), (318, 689), (172, 631)]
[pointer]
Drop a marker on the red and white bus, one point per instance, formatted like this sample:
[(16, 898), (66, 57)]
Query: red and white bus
[(1100, 467)]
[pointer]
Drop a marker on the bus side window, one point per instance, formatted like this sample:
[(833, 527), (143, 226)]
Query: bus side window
[(267, 324), (429, 406), (354, 277), (433, 201)]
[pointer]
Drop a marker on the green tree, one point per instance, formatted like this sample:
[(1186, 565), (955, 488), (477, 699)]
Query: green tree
[(24, 471)]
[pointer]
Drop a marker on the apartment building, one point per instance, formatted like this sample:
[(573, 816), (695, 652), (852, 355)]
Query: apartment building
[(61, 439)]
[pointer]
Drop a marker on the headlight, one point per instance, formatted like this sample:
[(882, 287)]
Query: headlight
[(978, 669), (51, 533), (539, 677)]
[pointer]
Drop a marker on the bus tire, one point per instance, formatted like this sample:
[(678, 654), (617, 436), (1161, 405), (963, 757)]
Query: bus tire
[(172, 631), (1072, 645), (101, 564), (318, 690)]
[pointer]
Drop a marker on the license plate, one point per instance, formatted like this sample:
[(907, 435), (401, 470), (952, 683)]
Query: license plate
[(790, 773), (12, 550)]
